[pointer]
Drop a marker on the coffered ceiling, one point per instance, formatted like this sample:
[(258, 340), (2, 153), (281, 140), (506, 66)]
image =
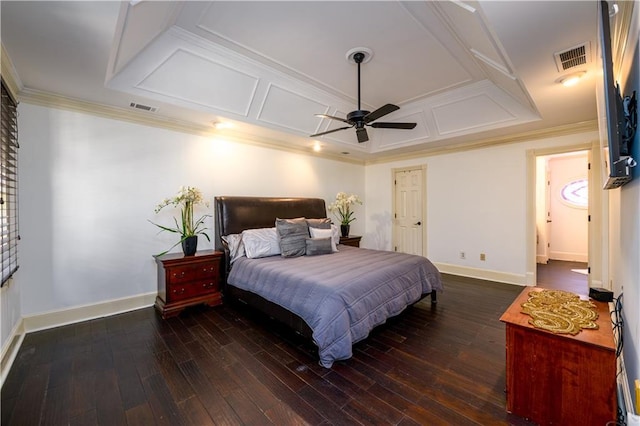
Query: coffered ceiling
[(466, 72)]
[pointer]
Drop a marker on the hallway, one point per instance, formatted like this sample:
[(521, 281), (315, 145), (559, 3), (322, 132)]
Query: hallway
[(560, 275)]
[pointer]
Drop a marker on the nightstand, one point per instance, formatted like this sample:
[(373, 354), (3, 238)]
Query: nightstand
[(188, 280), (351, 240)]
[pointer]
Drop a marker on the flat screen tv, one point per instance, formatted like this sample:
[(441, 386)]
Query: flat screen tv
[(613, 113)]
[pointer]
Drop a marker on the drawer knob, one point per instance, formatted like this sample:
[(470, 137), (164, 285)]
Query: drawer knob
[(176, 275), (178, 292), (207, 285)]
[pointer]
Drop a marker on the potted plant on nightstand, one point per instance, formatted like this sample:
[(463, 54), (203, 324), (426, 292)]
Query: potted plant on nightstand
[(341, 208), (186, 199)]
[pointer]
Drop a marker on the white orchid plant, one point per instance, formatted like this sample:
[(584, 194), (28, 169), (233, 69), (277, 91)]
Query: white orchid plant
[(186, 199), (341, 207)]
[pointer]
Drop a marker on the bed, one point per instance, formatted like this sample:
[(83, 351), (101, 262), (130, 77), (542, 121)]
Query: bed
[(333, 299)]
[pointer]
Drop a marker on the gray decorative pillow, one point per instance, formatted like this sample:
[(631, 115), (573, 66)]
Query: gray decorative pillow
[(324, 223), (317, 246), (324, 233), (292, 234)]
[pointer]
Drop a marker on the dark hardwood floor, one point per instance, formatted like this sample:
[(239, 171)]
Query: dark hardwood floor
[(442, 364), (560, 275)]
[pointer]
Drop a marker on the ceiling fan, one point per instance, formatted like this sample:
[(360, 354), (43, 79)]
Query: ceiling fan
[(361, 118)]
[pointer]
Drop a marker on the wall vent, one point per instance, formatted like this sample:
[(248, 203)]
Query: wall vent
[(573, 57), (143, 107)]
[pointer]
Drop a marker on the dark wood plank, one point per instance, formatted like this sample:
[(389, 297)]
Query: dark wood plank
[(194, 412), (57, 403), (215, 404), (140, 415), (165, 411), (31, 397), (109, 407)]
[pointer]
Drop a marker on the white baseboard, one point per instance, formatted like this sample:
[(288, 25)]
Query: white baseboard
[(483, 274), (10, 350), (73, 315), (569, 257), (76, 314)]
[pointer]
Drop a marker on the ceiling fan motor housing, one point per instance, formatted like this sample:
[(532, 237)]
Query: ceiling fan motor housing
[(357, 116)]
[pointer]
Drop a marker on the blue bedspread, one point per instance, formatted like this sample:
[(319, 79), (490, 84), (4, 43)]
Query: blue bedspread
[(341, 296)]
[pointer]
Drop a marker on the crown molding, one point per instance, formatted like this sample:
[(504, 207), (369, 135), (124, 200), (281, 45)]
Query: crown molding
[(53, 100), (569, 129), (9, 74)]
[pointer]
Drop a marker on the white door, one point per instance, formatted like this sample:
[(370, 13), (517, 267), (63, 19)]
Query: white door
[(408, 211), (569, 232)]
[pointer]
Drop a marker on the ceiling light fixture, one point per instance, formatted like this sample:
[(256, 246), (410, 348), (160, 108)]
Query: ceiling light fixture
[(317, 147), (572, 79), (220, 125)]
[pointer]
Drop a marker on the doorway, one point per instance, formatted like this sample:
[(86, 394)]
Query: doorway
[(409, 210), (562, 221)]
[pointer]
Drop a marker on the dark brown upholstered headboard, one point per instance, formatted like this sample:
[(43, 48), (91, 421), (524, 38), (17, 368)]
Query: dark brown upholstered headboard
[(235, 214)]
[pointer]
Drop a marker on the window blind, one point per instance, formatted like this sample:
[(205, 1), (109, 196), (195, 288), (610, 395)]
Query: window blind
[(9, 184)]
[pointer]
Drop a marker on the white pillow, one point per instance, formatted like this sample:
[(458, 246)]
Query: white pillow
[(235, 245), (261, 242), (324, 233), (335, 236)]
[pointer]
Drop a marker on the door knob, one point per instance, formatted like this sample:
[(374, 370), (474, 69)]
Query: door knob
[(548, 221), (418, 224)]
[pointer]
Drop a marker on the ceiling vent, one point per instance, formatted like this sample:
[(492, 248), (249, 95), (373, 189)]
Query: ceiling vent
[(143, 107), (573, 57)]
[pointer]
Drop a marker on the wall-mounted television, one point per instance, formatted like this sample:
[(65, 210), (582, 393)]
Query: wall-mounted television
[(616, 113)]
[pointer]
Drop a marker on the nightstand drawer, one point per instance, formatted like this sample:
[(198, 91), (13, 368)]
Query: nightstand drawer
[(186, 273), (177, 292)]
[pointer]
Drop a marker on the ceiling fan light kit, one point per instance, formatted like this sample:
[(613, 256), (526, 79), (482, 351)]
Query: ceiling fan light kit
[(360, 118)]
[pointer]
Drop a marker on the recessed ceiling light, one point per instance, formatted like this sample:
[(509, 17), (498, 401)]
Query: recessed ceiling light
[(572, 79), (219, 125), (317, 147)]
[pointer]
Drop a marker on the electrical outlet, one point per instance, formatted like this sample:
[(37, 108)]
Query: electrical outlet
[(483, 256), (463, 255)]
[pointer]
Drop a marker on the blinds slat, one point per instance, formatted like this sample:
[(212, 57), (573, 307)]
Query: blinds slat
[(8, 185)]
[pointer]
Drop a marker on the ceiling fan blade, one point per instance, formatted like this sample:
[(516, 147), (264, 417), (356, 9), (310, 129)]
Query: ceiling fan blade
[(362, 135), (330, 131), (393, 125), (332, 118), (380, 112)]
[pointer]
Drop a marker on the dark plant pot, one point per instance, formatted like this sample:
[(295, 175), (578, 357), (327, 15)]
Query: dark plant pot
[(344, 230), (190, 245)]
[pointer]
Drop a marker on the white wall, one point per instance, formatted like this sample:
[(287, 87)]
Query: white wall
[(88, 185), (476, 203)]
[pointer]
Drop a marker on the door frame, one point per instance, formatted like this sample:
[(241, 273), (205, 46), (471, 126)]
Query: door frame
[(597, 239), (423, 196)]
